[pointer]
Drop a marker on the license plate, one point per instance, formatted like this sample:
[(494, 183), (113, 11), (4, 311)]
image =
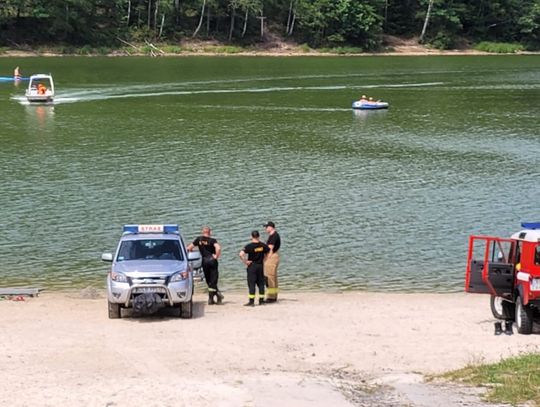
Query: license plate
[(144, 290), (535, 284)]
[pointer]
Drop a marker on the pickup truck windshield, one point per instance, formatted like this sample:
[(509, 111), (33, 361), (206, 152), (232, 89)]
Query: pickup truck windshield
[(150, 249)]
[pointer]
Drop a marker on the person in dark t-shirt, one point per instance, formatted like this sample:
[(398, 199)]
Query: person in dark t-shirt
[(210, 252), (253, 255), (271, 263)]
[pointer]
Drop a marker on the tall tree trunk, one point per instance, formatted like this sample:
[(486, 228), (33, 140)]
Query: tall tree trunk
[(149, 14), (262, 24), (200, 20), (289, 17), (385, 14), (426, 21), (161, 25), (208, 22), (292, 24), (245, 23), (177, 12), (231, 29), (156, 15), (129, 12)]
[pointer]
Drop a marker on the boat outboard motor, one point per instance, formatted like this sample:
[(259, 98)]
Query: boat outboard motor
[(146, 304)]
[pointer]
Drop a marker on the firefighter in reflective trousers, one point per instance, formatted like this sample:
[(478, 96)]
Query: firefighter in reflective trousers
[(271, 263), (256, 252), (210, 252)]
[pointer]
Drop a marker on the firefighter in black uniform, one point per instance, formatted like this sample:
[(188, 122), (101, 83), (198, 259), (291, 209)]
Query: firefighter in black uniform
[(210, 252), (256, 252)]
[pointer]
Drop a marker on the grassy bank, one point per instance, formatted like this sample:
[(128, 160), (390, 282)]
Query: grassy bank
[(166, 49), (278, 48), (515, 380)]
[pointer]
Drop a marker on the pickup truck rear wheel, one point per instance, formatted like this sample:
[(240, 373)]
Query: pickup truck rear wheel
[(114, 310), (524, 317), (186, 309), (502, 309)]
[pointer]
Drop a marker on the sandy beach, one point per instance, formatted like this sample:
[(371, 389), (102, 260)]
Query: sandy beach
[(309, 349)]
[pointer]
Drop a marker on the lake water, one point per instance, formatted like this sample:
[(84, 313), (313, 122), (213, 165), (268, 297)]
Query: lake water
[(381, 200)]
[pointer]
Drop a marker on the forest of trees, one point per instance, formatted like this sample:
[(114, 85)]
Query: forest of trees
[(334, 23)]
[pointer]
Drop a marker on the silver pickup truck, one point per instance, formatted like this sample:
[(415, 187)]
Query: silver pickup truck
[(151, 269)]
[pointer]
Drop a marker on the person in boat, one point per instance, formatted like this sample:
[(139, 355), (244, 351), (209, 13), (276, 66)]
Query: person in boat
[(363, 98), (42, 89)]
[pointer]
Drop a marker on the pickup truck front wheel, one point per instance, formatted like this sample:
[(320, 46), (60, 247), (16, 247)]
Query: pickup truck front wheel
[(524, 317), (114, 310), (186, 309)]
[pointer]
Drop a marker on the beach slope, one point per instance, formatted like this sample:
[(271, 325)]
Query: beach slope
[(310, 349)]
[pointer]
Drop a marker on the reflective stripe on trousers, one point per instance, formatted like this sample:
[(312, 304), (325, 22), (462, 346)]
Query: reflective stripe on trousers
[(271, 275)]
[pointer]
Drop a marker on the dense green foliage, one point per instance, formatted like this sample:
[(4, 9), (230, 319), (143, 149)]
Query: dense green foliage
[(318, 23), (514, 380), (499, 47)]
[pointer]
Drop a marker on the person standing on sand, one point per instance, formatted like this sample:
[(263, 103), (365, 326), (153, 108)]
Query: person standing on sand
[(256, 252), (210, 252), (271, 263)]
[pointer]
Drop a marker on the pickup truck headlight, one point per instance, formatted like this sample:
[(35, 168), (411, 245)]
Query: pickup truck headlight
[(118, 277), (180, 276)]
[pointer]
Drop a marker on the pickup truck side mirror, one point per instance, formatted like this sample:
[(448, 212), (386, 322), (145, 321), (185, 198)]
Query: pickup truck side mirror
[(196, 259), (107, 257)]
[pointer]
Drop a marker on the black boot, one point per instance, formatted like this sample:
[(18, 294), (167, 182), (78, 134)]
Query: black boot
[(508, 328), (262, 301), (251, 303), (220, 297), (498, 328), (211, 299)]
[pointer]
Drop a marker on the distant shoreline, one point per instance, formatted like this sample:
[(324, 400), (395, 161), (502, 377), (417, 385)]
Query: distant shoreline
[(278, 52)]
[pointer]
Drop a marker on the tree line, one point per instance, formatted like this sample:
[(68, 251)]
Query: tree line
[(358, 23)]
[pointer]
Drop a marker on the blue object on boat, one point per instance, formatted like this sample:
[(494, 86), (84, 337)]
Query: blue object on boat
[(530, 225), (12, 78), (367, 105)]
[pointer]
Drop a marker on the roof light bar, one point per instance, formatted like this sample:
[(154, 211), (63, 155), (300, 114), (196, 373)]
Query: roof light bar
[(171, 228)]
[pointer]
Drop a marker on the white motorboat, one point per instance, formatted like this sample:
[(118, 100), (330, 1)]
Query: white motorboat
[(40, 89)]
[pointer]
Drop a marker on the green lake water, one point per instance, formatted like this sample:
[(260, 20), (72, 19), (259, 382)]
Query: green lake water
[(381, 200)]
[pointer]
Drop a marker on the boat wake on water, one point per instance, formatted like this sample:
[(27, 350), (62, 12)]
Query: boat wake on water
[(180, 89)]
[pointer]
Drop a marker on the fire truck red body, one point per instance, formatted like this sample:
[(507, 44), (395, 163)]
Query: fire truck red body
[(508, 270)]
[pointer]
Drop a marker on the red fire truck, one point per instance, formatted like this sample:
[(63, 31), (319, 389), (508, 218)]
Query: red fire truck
[(508, 270)]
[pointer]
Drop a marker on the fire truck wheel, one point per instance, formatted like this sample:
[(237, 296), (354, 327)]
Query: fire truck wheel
[(524, 317), (502, 309)]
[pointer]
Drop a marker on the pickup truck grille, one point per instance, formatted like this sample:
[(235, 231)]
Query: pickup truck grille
[(148, 280)]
